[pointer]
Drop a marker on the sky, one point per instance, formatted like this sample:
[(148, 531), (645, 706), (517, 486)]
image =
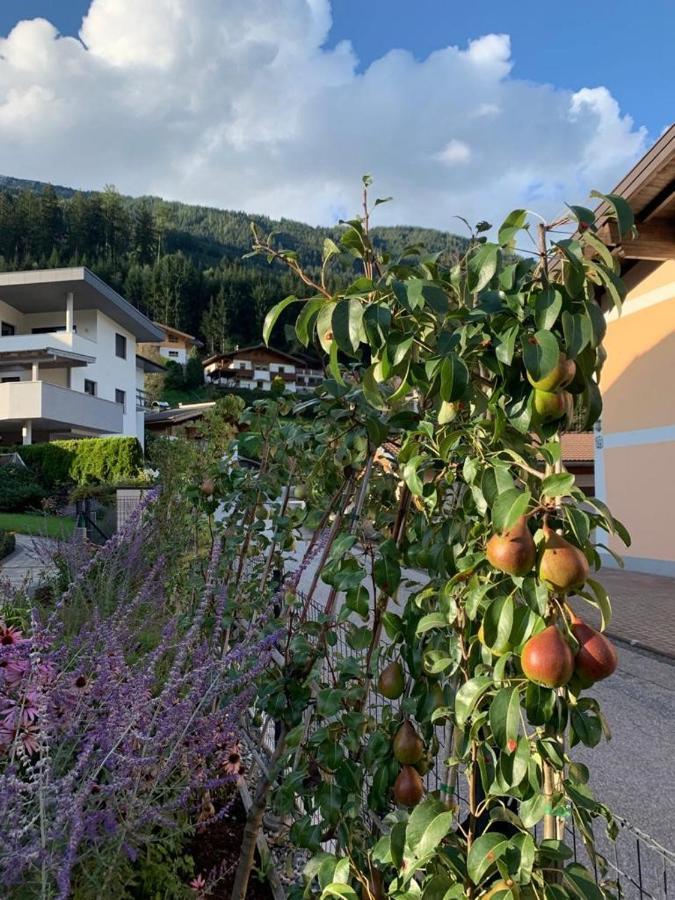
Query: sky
[(279, 106)]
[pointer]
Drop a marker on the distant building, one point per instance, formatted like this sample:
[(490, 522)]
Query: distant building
[(255, 367), (68, 357), (635, 439), (181, 420), (176, 345)]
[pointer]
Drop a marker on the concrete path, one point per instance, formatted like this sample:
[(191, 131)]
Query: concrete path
[(28, 561)]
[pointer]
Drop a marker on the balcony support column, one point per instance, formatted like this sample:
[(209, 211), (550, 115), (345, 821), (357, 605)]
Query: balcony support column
[(27, 432), (70, 305), (35, 371)]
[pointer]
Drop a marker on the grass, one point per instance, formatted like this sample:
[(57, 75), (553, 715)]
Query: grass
[(198, 395), (37, 524)]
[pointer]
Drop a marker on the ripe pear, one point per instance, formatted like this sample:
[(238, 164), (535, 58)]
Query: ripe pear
[(208, 487), (596, 658), (408, 787), (391, 681), (408, 745), (550, 405), (547, 658), (501, 887), (558, 377), (562, 565), (513, 551)]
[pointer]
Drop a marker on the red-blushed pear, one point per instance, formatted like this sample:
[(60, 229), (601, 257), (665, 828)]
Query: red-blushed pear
[(547, 658), (408, 745), (514, 551), (550, 405), (558, 377), (408, 787), (596, 658), (391, 681), (208, 487), (562, 565)]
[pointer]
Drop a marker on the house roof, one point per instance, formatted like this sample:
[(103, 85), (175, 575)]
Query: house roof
[(177, 416), (188, 338), (44, 290), (578, 446), (233, 354), (149, 366), (649, 190)]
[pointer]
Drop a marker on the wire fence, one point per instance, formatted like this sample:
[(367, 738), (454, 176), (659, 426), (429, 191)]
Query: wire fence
[(636, 864)]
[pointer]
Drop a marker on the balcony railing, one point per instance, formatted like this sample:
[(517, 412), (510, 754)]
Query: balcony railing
[(40, 400)]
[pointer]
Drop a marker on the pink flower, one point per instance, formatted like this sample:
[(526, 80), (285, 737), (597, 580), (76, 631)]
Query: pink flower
[(10, 635), (13, 670), (231, 763), (198, 884)]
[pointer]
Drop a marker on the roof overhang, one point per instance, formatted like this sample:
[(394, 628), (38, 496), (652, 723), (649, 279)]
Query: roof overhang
[(649, 190), (47, 358), (44, 290), (149, 366)]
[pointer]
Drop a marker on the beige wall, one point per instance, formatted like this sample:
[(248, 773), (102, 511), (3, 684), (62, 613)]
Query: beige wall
[(635, 456)]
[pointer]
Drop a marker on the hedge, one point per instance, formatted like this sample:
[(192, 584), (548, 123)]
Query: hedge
[(7, 543), (87, 461), (19, 489)]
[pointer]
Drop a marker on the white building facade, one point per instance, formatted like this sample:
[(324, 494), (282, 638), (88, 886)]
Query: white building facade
[(255, 368), (68, 357)]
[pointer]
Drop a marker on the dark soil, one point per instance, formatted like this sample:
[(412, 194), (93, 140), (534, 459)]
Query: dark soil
[(216, 849)]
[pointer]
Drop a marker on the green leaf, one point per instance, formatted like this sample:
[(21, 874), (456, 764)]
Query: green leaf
[(598, 322), (429, 823), (347, 323), (329, 702), (622, 211), (613, 285), (426, 293), (323, 326), (578, 332), (339, 890), (431, 621), (602, 600), (507, 344), (484, 853), (454, 378), (411, 478), (533, 810), (302, 323), (541, 354), (273, 315), (505, 716), (581, 883), (558, 485), (482, 266), (509, 507), (468, 695), (387, 574), (512, 224), (333, 364)]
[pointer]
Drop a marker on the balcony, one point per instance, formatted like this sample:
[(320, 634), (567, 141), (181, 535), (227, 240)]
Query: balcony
[(52, 340), (50, 407)]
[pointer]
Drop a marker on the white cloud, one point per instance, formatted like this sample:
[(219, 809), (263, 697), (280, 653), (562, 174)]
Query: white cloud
[(240, 105), (454, 152)]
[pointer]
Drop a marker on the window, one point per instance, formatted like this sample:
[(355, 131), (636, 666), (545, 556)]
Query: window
[(90, 387), (260, 385), (121, 398), (173, 354), (7, 329), (9, 378), (172, 339), (120, 346), (281, 370)]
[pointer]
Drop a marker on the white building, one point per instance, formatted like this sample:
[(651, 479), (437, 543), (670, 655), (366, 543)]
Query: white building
[(68, 357), (255, 368)]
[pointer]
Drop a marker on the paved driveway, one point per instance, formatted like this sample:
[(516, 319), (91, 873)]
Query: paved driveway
[(28, 561)]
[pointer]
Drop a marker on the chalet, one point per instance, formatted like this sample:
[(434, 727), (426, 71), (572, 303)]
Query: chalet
[(635, 439), (175, 345), (255, 367)]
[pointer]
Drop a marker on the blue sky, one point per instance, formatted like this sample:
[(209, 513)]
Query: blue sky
[(278, 106), (623, 45)]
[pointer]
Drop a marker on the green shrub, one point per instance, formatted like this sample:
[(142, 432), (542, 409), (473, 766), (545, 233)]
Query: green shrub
[(174, 378), (194, 373), (19, 490), (7, 543), (88, 461)]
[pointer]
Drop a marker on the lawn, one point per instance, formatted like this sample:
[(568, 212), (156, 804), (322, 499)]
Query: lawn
[(37, 524)]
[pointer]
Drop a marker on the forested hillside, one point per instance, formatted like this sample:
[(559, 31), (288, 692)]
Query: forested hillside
[(181, 264)]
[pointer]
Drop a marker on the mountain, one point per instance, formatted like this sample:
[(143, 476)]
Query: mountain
[(180, 263)]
